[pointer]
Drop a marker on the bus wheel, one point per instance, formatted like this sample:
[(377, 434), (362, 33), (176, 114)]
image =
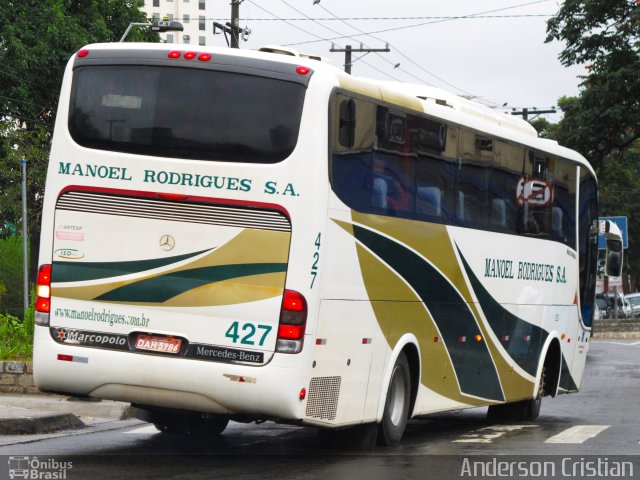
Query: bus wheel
[(211, 427), (396, 407), (523, 410)]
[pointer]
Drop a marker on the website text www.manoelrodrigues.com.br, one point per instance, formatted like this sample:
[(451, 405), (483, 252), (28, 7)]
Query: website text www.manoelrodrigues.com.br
[(549, 467)]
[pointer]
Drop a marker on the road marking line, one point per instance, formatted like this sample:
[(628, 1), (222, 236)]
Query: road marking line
[(577, 434), (488, 434), (145, 430), (619, 343)]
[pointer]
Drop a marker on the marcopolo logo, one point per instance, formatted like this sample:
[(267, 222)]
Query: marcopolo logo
[(93, 339), (38, 469)]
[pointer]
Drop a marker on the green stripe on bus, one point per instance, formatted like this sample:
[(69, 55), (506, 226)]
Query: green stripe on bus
[(78, 272), (164, 287), (471, 360)]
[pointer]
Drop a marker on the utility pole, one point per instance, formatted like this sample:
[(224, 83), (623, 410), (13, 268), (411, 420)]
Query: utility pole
[(525, 112), (25, 238), (233, 27), (235, 23), (348, 50)]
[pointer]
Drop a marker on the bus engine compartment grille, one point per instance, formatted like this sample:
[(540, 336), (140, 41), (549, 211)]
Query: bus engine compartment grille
[(177, 211), (323, 397)]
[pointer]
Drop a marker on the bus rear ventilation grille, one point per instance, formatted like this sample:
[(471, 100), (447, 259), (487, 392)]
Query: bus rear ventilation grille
[(211, 214), (323, 396)]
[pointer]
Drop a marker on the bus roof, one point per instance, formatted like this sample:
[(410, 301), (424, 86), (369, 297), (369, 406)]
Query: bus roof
[(430, 100)]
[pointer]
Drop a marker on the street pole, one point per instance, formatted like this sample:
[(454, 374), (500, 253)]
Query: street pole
[(25, 243), (348, 50), (525, 112), (235, 23)]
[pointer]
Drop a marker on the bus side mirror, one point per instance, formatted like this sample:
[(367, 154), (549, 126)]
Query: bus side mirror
[(613, 262), (614, 253)]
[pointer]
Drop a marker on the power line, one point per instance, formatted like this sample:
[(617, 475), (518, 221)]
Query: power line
[(18, 117), (286, 21), (26, 81), (472, 15), (400, 53), (317, 36), (22, 101), (323, 19)]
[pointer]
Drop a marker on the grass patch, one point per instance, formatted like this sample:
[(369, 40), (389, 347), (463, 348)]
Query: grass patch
[(16, 337)]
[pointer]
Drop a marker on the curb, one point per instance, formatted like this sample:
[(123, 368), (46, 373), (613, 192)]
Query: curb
[(38, 422)]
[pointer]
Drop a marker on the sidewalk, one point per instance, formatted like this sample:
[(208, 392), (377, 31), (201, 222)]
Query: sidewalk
[(36, 414)]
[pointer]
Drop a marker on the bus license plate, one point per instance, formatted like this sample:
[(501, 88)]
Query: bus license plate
[(158, 344)]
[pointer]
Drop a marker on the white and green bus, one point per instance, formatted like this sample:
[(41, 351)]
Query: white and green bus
[(259, 236)]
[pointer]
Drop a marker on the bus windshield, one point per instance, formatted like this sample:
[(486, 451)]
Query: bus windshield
[(185, 113)]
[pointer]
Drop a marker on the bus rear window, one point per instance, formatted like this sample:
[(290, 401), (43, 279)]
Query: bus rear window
[(185, 113)]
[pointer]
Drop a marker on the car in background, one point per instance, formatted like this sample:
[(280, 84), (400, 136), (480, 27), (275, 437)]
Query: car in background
[(634, 301), (622, 312), (599, 310), (603, 304)]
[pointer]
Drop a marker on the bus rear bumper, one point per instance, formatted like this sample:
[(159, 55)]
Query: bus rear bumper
[(267, 392)]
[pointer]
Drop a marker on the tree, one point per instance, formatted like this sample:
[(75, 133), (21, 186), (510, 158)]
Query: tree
[(604, 36), (37, 37), (545, 128)]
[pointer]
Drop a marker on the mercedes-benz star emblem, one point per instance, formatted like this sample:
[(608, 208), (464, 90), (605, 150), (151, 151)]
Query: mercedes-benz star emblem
[(167, 242)]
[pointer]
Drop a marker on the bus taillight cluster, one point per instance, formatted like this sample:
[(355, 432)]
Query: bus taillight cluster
[(293, 321), (43, 295)]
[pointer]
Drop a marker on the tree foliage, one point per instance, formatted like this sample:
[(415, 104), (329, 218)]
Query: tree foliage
[(37, 37), (604, 36)]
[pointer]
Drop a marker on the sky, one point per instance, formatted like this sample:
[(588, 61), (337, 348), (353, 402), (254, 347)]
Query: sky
[(497, 54)]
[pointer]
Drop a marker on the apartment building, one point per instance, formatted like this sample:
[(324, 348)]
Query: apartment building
[(195, 15)]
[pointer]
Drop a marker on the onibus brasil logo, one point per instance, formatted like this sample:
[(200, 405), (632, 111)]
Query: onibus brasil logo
[(35, 469)]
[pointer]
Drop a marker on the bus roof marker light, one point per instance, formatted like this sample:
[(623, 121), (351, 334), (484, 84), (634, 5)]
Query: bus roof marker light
[(302, 70), (174, 54), (83, 53), (189, 55), (204, 57)]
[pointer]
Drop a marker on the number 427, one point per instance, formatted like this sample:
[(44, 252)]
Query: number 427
[(248, 332)]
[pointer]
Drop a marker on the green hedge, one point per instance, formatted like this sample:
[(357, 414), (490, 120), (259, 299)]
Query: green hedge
[(16, 337)]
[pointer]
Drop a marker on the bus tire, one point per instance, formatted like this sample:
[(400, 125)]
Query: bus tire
[(182, 425), (211, 427), (527, 410), (396, 407)]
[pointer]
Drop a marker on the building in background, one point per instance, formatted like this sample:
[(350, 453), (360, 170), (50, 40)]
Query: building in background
[(195, 15)]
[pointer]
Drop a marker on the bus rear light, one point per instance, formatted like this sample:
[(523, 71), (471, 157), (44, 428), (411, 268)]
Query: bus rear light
[(83, 53), (189, 55), (291, 332), (174, 54), (293, 321), (303, 70), (43, 295), (303, 393), (204, 57)]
